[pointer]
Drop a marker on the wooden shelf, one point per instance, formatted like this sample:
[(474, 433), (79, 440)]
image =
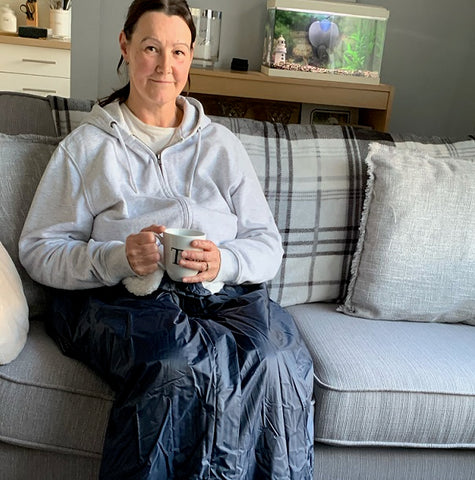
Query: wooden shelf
[(373, 102), (14, 39)]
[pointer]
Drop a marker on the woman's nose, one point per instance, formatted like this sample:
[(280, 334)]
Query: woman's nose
[(164, 63)]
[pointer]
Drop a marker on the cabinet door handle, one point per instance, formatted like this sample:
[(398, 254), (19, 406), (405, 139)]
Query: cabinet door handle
[(41, 90), (33, 60)]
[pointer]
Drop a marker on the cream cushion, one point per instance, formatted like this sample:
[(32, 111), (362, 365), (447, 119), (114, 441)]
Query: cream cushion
[(13, 310)]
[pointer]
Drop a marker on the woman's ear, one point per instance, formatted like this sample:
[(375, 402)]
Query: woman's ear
[(124, 45)]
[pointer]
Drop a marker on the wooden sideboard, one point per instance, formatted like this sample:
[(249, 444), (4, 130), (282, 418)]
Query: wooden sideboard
[(256, 95), (37, 66)]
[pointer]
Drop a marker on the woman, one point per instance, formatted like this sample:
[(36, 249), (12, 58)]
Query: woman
[(211, 377)]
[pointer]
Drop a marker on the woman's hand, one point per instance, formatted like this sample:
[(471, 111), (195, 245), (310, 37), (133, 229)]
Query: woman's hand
[(142, 250), (207, 261)]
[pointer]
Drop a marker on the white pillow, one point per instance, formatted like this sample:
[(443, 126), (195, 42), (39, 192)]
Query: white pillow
[(13, 310)]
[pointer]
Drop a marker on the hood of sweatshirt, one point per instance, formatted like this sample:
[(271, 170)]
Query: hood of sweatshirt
[(110, 120)]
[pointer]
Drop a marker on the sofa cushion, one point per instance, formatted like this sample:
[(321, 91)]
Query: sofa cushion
[(385, 463), (415, 258), (20, 463), (23, 160), (313, 178), (390, 383), (68, 113), (13, 310), (25, 113), (65, 405)]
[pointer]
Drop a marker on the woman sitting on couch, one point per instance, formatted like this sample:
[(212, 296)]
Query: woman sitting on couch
[(211, 377)]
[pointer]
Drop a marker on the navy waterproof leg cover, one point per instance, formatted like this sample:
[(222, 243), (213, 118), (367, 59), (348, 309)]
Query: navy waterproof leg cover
[(207, 386)]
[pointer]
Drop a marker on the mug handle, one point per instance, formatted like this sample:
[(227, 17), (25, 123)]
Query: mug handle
[(158, 241)]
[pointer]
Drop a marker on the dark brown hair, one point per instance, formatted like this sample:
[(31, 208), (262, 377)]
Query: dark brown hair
[(136, 10)]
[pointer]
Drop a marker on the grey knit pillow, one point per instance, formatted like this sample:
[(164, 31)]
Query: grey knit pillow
[(23, 160), (415, 257)]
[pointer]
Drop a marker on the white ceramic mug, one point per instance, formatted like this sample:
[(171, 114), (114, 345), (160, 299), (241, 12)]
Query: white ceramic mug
[(174, 241)]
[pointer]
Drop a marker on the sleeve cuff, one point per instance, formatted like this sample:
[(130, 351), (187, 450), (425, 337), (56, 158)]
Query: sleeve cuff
[(119, 265), (229, 269)]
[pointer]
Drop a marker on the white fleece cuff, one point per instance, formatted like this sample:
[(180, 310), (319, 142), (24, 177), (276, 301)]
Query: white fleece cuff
[(141, 286)]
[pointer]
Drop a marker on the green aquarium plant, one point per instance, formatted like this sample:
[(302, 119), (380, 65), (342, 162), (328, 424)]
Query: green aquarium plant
[(358, 48)]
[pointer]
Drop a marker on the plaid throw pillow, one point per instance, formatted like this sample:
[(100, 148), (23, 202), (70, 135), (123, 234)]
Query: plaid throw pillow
[(68, 113), (314, 180)]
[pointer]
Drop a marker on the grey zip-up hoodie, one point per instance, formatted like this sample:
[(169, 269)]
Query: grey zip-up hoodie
[(102, 184)]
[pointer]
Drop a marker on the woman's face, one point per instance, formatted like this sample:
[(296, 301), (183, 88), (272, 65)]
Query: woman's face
[(159, 58)]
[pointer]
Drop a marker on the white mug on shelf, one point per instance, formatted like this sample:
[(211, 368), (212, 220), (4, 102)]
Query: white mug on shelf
[(8, 22)]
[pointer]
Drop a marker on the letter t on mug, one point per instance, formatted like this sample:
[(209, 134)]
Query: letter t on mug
[(174, 242)]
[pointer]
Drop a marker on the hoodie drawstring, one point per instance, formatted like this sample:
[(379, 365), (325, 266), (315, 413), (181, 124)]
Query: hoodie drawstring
[(126, 150), (195, 164)]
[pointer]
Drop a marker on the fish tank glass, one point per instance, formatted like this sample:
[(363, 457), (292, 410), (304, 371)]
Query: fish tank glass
[(324, 40)]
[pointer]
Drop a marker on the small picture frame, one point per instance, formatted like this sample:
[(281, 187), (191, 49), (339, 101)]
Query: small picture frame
[(324, 115)]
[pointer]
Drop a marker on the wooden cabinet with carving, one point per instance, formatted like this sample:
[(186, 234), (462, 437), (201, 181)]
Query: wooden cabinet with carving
[(256, 95)]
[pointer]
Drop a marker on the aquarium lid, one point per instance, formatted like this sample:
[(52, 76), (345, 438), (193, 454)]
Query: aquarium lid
[(337, 8)]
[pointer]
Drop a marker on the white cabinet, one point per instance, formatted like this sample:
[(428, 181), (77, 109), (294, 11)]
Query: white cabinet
[(40, 67)]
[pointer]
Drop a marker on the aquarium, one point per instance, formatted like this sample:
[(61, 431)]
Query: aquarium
[(324, 40)]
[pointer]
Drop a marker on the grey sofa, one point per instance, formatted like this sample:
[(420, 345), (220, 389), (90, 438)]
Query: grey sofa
[(393, 399)]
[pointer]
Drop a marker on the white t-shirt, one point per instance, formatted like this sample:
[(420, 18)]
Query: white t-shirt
[(156, 138)]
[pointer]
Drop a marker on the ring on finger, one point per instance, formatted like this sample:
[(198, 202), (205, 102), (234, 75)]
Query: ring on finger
[(207, 267)]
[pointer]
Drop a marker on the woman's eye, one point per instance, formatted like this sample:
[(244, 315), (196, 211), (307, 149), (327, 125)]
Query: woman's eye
[(151, 48)]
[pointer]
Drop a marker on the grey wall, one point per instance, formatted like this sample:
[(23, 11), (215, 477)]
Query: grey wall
[(429, 55)]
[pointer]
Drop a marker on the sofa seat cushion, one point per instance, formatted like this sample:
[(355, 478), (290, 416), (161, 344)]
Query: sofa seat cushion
[(390, 383), (51, 402)]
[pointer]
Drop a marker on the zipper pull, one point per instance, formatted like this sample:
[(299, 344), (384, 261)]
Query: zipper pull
[(159, 161)]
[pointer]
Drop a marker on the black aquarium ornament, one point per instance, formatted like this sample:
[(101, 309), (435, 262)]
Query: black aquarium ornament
[(323, 35)]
